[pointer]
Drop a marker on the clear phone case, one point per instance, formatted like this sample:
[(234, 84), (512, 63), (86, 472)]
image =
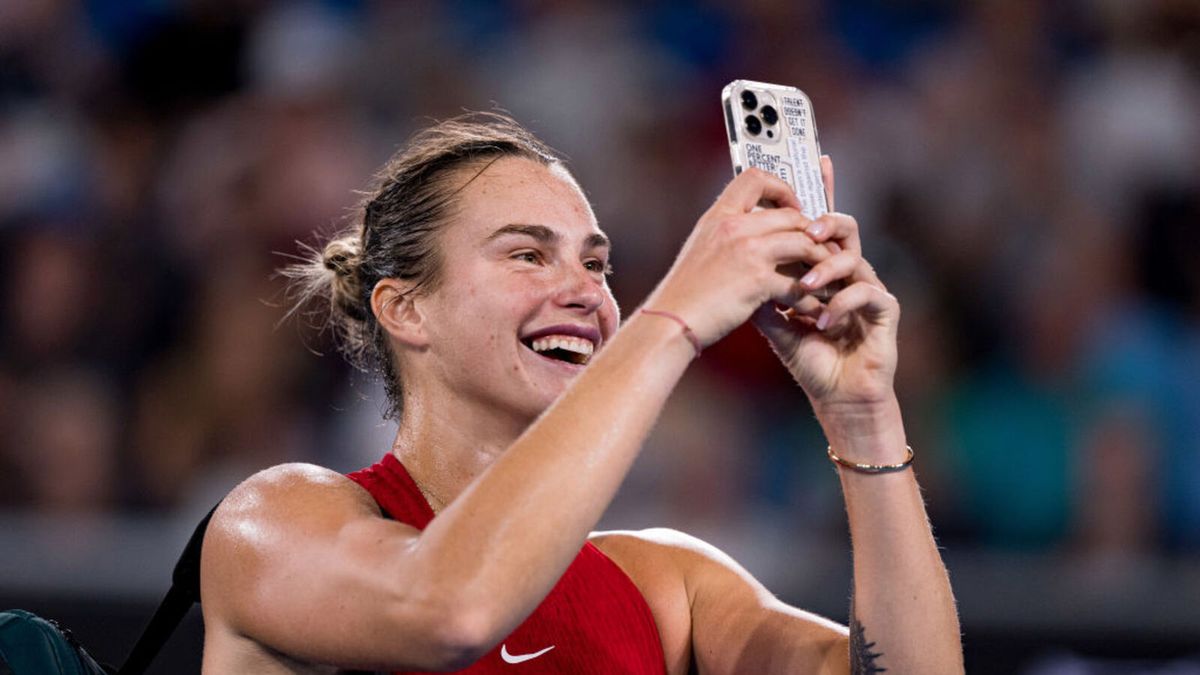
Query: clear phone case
[(771, 127)]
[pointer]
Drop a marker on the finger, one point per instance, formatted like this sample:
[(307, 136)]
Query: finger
[(848, 265), (833, 268), (787, 247), (807, 307), (753, 186), (864, 271), (786, 291), (784, 219), (794, 298), (837, 227), (845, 265), (827, 179), (868, 300)]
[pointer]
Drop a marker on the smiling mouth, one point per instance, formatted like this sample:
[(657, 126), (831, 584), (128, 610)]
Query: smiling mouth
[(565, 348)]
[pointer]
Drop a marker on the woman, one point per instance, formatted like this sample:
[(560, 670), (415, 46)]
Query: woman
[(475, 281)]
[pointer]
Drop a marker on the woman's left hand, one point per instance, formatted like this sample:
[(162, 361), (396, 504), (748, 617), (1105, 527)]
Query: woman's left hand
[(842, 352)]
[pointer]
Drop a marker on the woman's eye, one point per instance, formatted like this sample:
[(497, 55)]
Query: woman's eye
[(598, 266)]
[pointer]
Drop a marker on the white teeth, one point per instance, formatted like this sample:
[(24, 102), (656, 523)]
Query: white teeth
[(565, 342)]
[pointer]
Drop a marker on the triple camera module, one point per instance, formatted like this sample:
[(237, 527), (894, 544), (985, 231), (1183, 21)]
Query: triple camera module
[(766, 115)]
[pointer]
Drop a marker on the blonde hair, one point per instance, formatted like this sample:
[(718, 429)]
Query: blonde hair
[(394, 231)]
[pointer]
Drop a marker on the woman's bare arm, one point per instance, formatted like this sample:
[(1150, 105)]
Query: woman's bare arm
[(298, 558), (903, 616), (844, 355)]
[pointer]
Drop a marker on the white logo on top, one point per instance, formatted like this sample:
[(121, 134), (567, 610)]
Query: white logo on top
[(520, 658)]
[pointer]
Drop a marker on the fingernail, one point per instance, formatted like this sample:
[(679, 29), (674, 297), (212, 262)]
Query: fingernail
[(823, 320), (816, 229), (809, 279)]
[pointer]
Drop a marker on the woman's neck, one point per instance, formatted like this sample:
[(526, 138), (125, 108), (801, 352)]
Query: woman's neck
[(445, 447)]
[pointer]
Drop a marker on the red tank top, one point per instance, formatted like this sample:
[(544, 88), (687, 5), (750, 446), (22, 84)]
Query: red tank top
[(593, 621)]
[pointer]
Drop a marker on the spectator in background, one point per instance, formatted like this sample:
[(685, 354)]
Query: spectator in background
[(65, 450)]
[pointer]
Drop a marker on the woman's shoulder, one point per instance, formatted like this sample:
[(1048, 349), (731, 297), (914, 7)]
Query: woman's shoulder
[(274, 515), (288, 545), (653, 543), (656, 559), (284, 489), (280, 505), (662, 556)]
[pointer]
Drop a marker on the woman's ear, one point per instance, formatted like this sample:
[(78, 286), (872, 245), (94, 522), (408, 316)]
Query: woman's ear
[(396, 312)]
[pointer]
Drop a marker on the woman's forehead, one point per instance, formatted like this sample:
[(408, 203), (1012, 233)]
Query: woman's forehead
[(518, 190)]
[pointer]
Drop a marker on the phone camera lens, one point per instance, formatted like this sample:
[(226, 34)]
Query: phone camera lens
[(769, 115), (753, 125), (749, 100)]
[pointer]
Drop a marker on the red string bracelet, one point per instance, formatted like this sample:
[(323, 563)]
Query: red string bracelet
[(687, 330)]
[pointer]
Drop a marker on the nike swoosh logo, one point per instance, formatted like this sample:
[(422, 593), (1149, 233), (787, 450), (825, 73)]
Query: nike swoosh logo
[(520, 658)]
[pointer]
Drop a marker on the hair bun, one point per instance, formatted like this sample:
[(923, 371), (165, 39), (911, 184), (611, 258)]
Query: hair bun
[(343, 256)]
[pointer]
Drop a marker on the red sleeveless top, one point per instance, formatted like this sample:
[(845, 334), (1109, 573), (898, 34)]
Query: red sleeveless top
[(593, 621)]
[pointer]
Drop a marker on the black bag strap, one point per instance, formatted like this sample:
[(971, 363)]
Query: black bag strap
[(184, 592)]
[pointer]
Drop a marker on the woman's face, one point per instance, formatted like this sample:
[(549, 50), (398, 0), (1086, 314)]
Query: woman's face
[(523, 300)]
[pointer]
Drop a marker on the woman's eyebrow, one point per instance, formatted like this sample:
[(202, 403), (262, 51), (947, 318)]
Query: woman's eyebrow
[(597, 240), (539, 232), (545, 235)]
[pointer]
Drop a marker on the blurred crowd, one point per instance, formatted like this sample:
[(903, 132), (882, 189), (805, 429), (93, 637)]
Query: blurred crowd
[(1026, 176)]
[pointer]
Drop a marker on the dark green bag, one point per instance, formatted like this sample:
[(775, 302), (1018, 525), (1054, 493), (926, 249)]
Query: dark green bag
[(32, 645)]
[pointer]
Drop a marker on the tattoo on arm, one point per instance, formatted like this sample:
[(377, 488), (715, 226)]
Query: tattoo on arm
[(863, 661)]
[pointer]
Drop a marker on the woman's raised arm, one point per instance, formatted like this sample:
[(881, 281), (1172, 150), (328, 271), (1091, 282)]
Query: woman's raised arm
[(844, 355), (300, 562)]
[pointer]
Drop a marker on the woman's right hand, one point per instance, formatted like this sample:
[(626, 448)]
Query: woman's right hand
[(728, 267)]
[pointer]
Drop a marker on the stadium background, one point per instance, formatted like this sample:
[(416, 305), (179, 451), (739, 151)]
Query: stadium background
[(1027, 177)]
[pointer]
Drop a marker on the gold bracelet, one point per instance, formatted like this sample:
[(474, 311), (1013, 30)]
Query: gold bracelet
[(872, 468)]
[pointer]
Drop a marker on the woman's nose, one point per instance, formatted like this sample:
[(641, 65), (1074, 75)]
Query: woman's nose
[(580, 289)]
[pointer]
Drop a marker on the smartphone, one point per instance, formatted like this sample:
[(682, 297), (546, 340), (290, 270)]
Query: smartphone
[(771, 128)]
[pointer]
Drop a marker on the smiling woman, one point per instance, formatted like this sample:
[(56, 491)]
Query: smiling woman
[(477, 274), (395, 233)]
